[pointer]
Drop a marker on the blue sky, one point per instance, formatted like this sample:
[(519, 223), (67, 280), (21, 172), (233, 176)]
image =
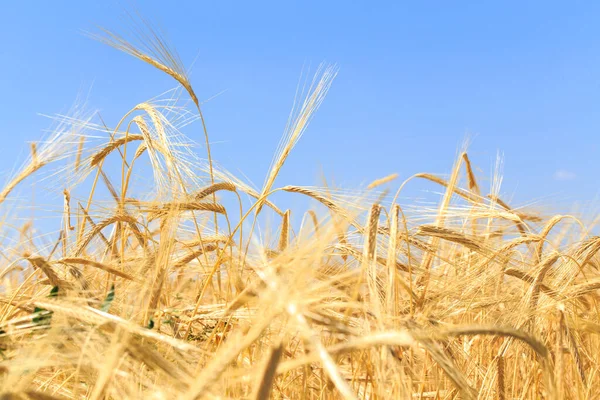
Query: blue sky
[(415, 80)]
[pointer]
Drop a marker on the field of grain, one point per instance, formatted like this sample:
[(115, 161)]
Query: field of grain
[(182, 291)]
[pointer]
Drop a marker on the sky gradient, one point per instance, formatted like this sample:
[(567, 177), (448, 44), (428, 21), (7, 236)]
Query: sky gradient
[(415, 80)]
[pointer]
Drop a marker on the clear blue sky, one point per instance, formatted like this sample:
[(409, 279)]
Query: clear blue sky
[(415, 79)]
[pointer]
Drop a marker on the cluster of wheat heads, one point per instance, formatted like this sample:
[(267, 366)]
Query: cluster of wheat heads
[(168, 293)]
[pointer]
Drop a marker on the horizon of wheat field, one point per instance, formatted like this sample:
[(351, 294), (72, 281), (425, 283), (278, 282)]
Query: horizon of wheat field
[(173, 286)]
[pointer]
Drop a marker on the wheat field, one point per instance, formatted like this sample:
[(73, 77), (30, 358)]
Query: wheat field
[(185, 282)]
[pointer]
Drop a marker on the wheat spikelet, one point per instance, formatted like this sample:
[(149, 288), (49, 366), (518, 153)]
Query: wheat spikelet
[(165, 60), (391, 261), (427, 261), (315, 221), (79, 152), (535, 286), (309, 106), (584, 253), (452, 236), (245, 188), (93, 225), (521, 226), (206, 239), (382, 181), (140, 150), (472, 182), (95, 264), (531, 341), (321, 199), (27, 171), (369, 265), (215, 187), (531, 280), (559, 359), (284, 238), (54, 149), (185, 260), (577, 357), (347, 249), (46, 268), (102, 154), (87, 238), (67, 220), (544, 234), (458, 191), (169, 208)]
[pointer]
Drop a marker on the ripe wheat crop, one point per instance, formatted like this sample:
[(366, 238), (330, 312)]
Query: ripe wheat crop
[(174, 292)]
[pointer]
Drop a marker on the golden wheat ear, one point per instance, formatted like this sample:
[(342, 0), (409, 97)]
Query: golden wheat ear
[(298, 123), (57, 147), (155, 51)]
